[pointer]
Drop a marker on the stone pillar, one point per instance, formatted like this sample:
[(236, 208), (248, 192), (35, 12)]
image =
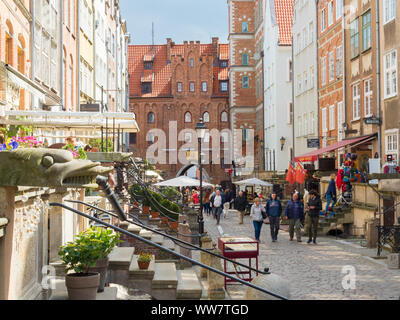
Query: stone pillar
[(185, 229), (393, 261), (205, 258), (7, 206), (193, 222), (372, 233), (215, 281)]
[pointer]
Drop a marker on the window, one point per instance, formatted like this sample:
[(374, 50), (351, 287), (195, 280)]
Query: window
[(188, 117), (339, 9), (188, 137), (367, 98), (323, 71), (245, 59), (332, 118), (311, 32), (290, 113), (290, 70), (245, 82), (179, 87), (323, 20), (305, 37), (148, 65), (339, 61), (366, 31), (389, 10), (245, 27), (305, 79), (146, 87), (392, 142), (299, 84), (324, 121), (354, 40), (191, 62), (356, 102), (330, 13), (191, 86), (132, 138), (331, 66), (305, 124), (206, 117), (224, 86), (204, 86), (300, 127), (311, 77), (312, 125), (245, 134), (224, 64), (224, 116), (150, 117), (390, 69)]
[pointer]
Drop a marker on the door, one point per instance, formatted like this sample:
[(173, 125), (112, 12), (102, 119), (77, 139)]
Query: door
[(388, 217)]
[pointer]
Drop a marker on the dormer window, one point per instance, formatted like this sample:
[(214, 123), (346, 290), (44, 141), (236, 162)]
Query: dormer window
[(146, 87), (148, 65), (224, 64)]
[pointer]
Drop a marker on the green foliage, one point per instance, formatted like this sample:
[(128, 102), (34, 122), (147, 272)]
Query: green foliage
[(145, 257), (9, 131), (107, 144), (89, 246), (170, 192)]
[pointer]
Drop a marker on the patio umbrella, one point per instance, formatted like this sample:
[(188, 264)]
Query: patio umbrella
[(254, 182), (153, 174), (182, 181)]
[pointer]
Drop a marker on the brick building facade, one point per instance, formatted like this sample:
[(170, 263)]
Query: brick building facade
[(173, 86)]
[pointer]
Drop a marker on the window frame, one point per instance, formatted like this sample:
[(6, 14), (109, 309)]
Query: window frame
[(354, 39), (245, 82), (356, 99), (388, 75), (368, 98), (365, 28)]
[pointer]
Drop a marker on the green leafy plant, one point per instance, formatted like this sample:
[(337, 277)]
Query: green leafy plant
[(145, 257), (107, 144), (89, 246)]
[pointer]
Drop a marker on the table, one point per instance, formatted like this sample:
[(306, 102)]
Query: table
[(239, 248)]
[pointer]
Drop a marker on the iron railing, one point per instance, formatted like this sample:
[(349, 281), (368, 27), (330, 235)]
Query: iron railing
[(389, 235)]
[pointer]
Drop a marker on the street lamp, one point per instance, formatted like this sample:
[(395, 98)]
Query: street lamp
[(283, 141), (201, 132)]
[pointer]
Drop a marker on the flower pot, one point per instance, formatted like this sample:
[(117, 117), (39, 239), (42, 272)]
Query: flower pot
[(136, 204), (164, 220), (82, 286), (174, 225), (101, 268), (143, 265), (155, 214), (146, 210)]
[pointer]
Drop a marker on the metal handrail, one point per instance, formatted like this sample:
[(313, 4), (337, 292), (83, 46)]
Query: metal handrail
[(118, 229), (174, 239)]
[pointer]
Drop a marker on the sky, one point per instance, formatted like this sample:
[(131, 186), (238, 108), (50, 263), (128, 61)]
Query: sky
[(177, 19)]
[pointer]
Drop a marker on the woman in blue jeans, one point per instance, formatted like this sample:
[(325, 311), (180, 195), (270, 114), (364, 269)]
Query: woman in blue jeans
[(331, 196), (256, 213)]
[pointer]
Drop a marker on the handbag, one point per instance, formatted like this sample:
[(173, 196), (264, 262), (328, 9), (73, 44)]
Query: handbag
[(264, 215)]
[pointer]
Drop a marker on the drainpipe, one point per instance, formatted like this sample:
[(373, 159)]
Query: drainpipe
[(62, 71), (33, 53), (292, 116), (378, 82), (316, 84), (78, 55), (344, 69)]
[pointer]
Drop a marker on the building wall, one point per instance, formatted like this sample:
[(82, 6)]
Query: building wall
[(389, 37), (305, 71), (330, 92), (15, 26)]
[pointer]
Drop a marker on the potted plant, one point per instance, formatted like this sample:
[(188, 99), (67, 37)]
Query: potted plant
[(144, 260), (155, 214), (106, 240), (174, 225)]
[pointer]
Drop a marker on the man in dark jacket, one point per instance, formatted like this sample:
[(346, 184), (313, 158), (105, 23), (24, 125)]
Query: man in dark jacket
[(240, 205), (331, 196), (274, 212), (314, 208), (294, 212)]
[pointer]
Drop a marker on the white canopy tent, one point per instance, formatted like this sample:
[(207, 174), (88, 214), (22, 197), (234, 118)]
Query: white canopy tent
[(182, 181), (153, 174), (253, 182)]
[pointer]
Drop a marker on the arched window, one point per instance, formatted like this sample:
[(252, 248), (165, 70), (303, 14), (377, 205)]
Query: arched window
[(9, 44), (206, 117), (224, 116), (21, 54), (188, 117), (150, 117)]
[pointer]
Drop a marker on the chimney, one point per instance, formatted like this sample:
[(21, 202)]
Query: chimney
[(169, 46), (215, 46)]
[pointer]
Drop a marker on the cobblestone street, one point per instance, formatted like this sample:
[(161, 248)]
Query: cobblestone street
[(315, 271)]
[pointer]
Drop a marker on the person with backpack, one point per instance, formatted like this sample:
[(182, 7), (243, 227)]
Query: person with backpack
[(274, 212), (314, 208), (217, 202), (294, 212)]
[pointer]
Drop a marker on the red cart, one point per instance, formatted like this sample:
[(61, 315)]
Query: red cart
[(239, 248)]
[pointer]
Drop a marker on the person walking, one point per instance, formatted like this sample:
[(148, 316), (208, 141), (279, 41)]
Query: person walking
[(314, 208), (240, 205), (217, 202), (274, 213), (258, 219), (331, 196), (294, 212), (227, 201), (206, 202)]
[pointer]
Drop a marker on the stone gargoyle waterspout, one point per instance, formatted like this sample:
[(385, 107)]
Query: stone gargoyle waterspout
[(48, 168)]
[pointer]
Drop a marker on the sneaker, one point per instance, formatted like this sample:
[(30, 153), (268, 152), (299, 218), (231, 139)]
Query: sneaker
[(299, 241), (315, 241), (291, 239), (309, 241)]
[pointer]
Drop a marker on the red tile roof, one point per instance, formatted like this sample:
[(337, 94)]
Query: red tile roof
[(284, 18), (147, 76), (224, 51), (223, 74), (162, 71)]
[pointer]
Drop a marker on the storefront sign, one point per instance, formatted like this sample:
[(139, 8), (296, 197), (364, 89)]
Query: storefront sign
[(313, 143)]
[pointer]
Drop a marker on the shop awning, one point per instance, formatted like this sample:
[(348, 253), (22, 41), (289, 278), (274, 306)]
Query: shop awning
[(313, 156)]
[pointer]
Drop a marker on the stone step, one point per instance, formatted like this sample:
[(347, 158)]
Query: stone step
[(136, 273), (146, 234), (61, 292), (189, 287), (134, 229), (169, 244), (157, 238), (165, 276), (121, 256)]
